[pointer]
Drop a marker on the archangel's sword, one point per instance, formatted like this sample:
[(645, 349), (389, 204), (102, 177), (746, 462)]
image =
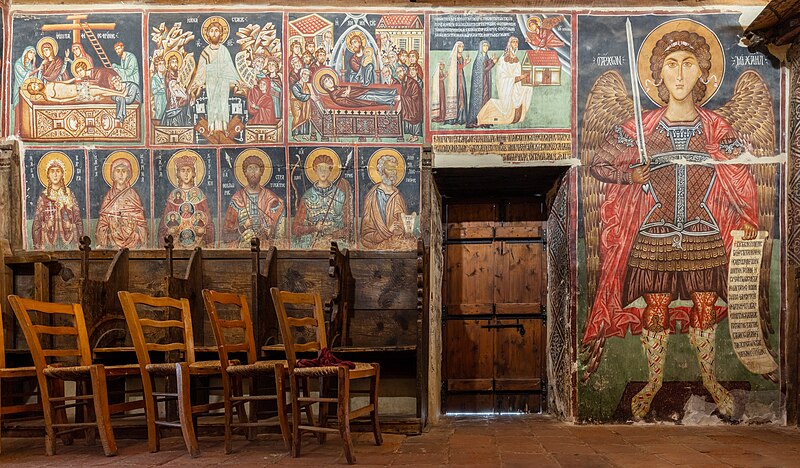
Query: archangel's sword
[(637, 102)]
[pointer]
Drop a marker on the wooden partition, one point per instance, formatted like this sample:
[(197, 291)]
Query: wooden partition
[(105, 321), (190, 285)]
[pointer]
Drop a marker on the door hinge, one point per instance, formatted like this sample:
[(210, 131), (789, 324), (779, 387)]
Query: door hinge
[(544, 235)]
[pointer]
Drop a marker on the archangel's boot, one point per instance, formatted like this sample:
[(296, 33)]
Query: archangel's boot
[(655, 334), (702, 337)]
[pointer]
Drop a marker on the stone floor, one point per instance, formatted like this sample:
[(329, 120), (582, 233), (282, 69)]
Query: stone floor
[(523, 441)]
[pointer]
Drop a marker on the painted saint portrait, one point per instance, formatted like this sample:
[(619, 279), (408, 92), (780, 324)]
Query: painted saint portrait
[(57, 222), (325, 210), (254, 210), (386, 221), (660, 208), (121, 222), (185, 171)]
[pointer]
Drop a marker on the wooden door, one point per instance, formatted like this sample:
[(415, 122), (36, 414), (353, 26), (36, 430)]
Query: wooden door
[(494, 329)]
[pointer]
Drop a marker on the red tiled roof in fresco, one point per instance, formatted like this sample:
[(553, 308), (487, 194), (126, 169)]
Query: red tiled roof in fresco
[(399, 22), (543, 58), (309, 24)]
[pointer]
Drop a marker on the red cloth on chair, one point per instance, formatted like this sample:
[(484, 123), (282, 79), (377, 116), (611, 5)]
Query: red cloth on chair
[(324, 358)]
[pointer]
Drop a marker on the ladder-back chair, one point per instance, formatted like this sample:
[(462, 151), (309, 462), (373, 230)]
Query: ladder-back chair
[(143, 311), (84, 372), (315, 324), (7, 405), (225, 331)]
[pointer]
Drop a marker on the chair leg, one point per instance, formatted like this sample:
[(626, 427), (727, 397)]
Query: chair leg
[(57, 390), (88, 412), (324, 391), (295, 390), (373, 399), (280, 396), (344, 413), (102, 416), (185, 408), (252, 416), (48, 410), (228, 414), (151, 413)]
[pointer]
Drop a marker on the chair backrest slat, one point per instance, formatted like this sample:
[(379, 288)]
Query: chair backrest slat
[(130, 301), (160, 323), (48, 330), (22, 309), (316, 322), (225, 346)]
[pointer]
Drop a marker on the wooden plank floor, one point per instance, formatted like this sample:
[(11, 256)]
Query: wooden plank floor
[(506, 441)]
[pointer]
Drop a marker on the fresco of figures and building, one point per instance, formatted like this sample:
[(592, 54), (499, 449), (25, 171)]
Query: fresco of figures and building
[(678, 230), (501, 84), (355, 77), (76, 78)]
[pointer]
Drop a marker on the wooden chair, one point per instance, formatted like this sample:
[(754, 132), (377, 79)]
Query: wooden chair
[(180, 332), (15, 374), (232, 375), (95, 375), (316, 325)]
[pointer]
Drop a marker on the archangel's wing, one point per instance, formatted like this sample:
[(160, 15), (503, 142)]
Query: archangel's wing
[(186, 72), (608, 104), (751, 115), (552, 22), (247, 36)]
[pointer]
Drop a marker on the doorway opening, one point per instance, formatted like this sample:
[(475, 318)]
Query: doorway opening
[(494, 287)]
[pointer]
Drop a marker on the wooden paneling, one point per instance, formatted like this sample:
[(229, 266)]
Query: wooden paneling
[(470, 365), (518, 277), (519, 357), (470, 278), (459, 213)]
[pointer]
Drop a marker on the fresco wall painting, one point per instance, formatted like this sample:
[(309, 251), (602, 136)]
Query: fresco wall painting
[(661, 212), (216, 79), (501, 84), (77, 78)]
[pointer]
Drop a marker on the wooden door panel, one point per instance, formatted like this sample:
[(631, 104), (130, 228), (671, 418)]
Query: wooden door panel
[(518, 402), (469, 355), (463, 231), (518, 273), (518, 357), (470, 278), (469, 403)]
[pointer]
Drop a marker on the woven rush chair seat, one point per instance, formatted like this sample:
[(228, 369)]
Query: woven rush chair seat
[(168, 368), (322, 371), (254, 368)]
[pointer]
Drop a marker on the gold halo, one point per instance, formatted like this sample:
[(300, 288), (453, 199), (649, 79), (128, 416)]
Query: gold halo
[(110, 162), (322, 72), (372, 166), (715, 74), (238, 170), (174, 53), (352, 34), (336, 170), (24, 87), (533, 19), (45, 40), (80, 60), (199, 167), (66, 163), (225, 28)]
